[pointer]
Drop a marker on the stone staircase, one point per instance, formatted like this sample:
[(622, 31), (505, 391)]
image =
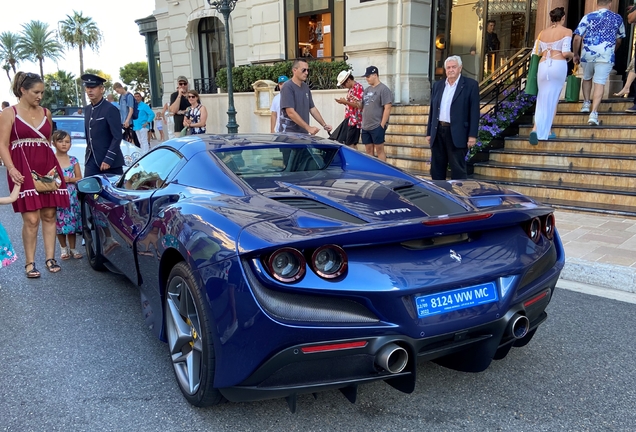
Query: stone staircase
[(405, 145), (589, 168)]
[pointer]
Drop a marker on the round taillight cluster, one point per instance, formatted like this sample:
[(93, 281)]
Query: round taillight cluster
[(329, 261), (289, 265), (533, 229), (549, 225)]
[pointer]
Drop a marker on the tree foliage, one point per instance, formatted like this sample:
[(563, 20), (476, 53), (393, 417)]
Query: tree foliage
[(65, 95), (38, 43), (108, 85), (79, 31), (135, 76), (10, 53)]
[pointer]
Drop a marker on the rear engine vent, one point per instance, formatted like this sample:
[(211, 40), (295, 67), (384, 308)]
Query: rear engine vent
[(321, 209), (427, 243), (430, 203)]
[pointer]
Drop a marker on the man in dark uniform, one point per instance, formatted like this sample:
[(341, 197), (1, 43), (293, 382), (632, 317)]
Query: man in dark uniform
[(103, 131)]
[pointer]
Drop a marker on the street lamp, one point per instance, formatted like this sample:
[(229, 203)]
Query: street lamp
[(225, 7), (55, 87)]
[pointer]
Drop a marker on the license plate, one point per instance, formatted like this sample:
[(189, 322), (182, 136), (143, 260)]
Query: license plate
[(462, 298)]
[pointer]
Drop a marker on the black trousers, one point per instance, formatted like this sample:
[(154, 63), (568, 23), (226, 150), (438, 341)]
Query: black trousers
[(91, 168), (445, 154)]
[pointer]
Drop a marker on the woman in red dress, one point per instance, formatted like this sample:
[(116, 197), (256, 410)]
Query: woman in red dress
[(25, 146)]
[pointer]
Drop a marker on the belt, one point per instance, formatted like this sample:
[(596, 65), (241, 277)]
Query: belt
[(445, 124)]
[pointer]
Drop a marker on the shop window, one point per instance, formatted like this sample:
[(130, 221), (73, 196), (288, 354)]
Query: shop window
[(314, 36)]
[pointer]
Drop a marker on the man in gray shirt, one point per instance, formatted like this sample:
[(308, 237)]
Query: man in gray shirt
[(296, 104), (376, 104)]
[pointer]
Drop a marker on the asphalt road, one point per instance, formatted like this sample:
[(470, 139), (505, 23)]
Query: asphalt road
[(75, 356)]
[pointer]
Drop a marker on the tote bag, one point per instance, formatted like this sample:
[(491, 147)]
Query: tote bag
[(532, 87), (572, 86)]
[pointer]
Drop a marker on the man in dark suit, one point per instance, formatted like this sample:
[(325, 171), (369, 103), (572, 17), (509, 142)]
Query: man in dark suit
[(453, 121)]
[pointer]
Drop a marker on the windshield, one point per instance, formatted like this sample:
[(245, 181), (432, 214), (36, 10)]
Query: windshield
[(254, 161), (74, 127)]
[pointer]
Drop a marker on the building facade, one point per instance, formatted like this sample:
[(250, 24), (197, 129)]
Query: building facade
[(407, 40)]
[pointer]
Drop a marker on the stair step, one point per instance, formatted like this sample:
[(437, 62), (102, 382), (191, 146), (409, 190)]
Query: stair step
[(410, 109), (605, 119), (394, 137), (407, 152), (407, 128), (600, 179), (613, 105), (410, 165), (588, 132), (573, 145), (408, 119), (566, 160), (574, 195)]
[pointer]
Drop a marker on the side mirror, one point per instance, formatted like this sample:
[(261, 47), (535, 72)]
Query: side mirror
[(90, 185)]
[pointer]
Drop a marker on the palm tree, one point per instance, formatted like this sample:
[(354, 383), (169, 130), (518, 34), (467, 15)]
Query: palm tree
[(80, 31), (9, 51), (37, 42), (7, 68)]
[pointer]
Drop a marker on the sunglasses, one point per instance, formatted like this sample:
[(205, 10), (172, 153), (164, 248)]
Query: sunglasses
[(191, 97), (183, 84), (30, 75)]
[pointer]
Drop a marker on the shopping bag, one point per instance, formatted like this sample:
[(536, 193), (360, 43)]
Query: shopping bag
[(572, 86), (532, 87)]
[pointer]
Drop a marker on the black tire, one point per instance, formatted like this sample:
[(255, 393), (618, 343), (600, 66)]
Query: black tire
[(189, 335), (90, 234)]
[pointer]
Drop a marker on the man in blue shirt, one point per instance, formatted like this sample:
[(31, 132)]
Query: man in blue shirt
[(601, 32), (141, 124), (126, 106)]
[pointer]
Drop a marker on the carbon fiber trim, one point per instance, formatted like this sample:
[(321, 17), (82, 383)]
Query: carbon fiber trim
[(308, 308)]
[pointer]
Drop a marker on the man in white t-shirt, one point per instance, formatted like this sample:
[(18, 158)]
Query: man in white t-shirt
[(275, 108)]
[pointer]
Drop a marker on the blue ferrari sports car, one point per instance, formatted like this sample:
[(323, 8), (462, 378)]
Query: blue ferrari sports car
[(277, 265)]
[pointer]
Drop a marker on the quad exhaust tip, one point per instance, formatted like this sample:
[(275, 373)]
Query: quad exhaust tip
[(392, 358), (519, 326)]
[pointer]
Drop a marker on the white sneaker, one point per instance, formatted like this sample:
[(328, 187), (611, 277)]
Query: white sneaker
[(593, 120), (586, 106)]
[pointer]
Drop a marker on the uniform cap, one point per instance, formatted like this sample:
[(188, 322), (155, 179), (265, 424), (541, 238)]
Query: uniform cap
[(91, 80)]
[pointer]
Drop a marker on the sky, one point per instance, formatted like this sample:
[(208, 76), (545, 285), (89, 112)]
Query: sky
[(122, 43)]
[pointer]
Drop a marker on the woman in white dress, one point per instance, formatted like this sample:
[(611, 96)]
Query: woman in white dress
[(554, 45)]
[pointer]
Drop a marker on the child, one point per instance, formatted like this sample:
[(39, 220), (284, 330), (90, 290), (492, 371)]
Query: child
[(7, 254), (159, 125), (69, 221)]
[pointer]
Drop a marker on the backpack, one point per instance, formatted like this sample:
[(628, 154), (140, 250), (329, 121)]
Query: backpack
[(135, 106)]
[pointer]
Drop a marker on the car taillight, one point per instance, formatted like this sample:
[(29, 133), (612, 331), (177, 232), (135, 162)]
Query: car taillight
[(287, 265), (549, 224), (533, 229), (329, 261)]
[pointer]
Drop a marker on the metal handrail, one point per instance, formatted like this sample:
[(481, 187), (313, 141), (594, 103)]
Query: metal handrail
[(505, 71)]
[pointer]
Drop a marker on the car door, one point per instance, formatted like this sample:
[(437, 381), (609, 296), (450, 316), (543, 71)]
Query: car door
[(127, 208)]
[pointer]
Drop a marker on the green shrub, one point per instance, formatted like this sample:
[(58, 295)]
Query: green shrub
[(322, 76)]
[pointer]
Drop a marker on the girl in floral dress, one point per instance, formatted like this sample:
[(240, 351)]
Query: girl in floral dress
[(69, 221), (7, 254)]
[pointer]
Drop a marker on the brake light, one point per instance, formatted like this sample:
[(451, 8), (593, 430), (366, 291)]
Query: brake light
[(333, 347), (329, 261), (549, 225), (536, 298), (287, 265), (533, 229), (445, 220)]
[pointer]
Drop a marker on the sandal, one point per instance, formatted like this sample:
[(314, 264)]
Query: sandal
[(52, 265), (33, 273), (76, 254), (64, 254)]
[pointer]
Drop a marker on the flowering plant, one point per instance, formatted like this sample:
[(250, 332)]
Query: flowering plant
[(513, 106)]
